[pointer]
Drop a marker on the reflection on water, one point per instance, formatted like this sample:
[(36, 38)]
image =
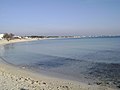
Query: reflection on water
[(81, 59), (2, 50), (5, 48)]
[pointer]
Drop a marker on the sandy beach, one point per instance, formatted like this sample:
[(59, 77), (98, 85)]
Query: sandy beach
[(14, 78), (3, 42)]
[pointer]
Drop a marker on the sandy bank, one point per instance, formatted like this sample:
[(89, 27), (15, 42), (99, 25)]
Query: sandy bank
[(3, 42), (14, 78)]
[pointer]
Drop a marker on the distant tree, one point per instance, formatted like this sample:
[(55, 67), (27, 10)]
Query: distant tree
[(11, 36), (8, 36)]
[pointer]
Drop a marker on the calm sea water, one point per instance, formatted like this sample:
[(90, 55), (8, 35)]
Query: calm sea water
[(80, 59)]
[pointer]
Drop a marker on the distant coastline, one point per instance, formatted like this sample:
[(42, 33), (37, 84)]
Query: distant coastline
[(91, 36), (11, 36)]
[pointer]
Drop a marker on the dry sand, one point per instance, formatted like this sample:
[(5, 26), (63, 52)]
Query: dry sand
[(14, 78)]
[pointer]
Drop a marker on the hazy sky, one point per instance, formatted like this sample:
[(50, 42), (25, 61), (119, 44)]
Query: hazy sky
[(60, 17)]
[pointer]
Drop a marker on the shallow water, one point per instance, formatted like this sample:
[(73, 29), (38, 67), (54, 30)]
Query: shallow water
[(80, 59)]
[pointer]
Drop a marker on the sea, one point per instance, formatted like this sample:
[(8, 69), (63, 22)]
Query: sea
[(89, 60)]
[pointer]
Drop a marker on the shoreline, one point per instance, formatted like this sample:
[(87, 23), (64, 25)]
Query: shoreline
[(20, 79), (4, 42)]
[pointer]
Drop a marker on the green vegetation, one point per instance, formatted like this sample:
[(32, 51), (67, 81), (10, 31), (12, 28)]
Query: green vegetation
[(9, 36)]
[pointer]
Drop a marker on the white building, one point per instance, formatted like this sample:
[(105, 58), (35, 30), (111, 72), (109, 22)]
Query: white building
[(1, 36)]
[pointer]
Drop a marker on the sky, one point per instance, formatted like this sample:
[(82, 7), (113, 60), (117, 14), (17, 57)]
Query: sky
[(60, 17)]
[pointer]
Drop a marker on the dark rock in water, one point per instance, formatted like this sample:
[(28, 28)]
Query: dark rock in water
[(89, 84), (118, 86), (107, 73), (98, 83), (118, 82)]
